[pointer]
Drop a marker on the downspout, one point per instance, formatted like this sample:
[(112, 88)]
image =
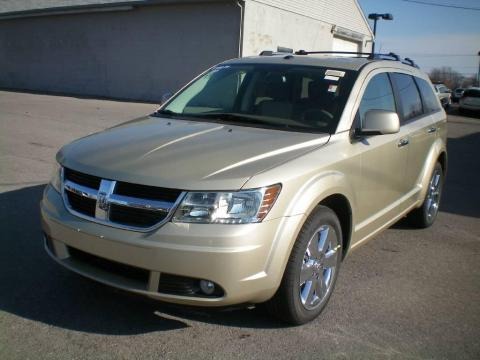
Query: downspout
[(241, 5)]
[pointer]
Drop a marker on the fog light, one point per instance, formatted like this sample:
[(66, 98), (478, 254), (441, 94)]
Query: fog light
[(207, 287)]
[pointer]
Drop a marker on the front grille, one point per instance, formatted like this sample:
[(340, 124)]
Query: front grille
[(76, 177), (81, 204), (120, 204), (146, 192), (127, 271), (135, 217)]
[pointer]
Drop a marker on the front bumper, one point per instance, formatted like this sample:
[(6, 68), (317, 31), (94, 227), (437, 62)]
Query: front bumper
[(246, 261)]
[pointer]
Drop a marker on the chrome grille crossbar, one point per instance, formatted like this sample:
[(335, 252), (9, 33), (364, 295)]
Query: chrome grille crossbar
[(140, 203), (80, 190), (105, 197)]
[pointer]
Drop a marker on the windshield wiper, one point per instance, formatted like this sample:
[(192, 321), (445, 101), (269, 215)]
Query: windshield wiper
[(233, 119), (239, 119), (236, 119), (165, 112)]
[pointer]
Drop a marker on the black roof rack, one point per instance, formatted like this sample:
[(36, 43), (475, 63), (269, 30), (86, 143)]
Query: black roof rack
[(359, 54), (303, 52), (410, 62), (371, 56), (377, 56)]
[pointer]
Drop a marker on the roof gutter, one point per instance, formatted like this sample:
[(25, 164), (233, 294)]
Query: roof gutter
[(89, 8)]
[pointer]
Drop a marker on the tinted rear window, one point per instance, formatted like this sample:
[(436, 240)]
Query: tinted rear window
[(472, 93), (430, 101), (410, 102)]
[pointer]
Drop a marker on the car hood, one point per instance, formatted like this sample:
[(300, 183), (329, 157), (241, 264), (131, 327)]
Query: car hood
[(183, 154)]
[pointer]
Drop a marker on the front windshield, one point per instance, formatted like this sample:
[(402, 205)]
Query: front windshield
[(283, 97)]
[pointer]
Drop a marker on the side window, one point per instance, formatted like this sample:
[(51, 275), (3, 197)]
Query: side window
[(377, 96), (430, 101), (410, 102)]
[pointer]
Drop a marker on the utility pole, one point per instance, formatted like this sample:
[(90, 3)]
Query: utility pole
[(375, 17)]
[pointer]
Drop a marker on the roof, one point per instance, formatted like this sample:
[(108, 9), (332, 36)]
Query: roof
[(346, 14), (20, 8), (339, 62), (7, 6), (328, 61)]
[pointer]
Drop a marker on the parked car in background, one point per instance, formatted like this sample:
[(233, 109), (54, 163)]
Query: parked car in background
[(444, 95), (470, 101), (457, 94), (252, 183)]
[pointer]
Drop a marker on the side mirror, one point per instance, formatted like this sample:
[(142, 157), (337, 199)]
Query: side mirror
[(379, 122)]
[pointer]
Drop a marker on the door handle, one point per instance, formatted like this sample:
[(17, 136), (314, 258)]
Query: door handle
[(403, 142), (431, 130)]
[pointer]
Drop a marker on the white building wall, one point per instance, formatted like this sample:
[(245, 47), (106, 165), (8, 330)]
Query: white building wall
[(344, 13), (266, 27), (301, 25)]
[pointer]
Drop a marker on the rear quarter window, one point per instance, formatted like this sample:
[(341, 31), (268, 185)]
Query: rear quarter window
[(430, 100), (409, 97)]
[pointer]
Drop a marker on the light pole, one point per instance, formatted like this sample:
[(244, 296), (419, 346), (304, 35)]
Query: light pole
[(376, 17)]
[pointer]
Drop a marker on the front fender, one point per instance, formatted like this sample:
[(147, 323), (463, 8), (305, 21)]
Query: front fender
[(319, 188), (300, 205)]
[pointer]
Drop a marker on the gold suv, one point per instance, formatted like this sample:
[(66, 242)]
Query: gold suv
[(252, 183)]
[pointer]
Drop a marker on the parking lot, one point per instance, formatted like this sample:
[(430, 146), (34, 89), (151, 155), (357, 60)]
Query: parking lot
[(406, 294)]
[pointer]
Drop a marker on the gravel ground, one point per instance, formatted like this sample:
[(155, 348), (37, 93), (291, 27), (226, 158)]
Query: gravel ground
[(406, 294)]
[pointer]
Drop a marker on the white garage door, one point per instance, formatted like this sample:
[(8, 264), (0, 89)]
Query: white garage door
[(340, 44)]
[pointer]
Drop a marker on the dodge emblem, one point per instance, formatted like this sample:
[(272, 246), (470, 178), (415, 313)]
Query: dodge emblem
[(102, 201)]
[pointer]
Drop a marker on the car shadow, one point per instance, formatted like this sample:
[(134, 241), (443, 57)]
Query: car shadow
[(33, 286), (459, 196)]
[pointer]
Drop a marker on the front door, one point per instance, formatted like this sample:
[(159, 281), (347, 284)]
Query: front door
[(383, 162)]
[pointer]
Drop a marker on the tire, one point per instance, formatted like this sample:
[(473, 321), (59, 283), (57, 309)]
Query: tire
[(315, 257), (425, 215)]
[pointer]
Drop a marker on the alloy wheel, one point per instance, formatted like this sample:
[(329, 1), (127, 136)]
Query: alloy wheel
[(318, 267)]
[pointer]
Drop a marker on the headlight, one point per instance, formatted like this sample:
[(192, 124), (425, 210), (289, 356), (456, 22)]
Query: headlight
[(239, 207), (56, 179)]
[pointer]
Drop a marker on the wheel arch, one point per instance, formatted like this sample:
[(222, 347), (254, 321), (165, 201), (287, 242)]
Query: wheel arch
[(330, 189), (340, 205), (437, 153), (443, 160)]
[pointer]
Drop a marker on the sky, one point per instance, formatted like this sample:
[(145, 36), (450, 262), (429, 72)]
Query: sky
[(433, 36)]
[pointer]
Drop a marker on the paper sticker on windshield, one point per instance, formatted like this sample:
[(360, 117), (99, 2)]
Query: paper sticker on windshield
[(335, 73), (332, 88), (333, 78)]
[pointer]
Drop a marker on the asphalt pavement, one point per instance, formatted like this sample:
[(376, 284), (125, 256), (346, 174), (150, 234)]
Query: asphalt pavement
[(407, 294)]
